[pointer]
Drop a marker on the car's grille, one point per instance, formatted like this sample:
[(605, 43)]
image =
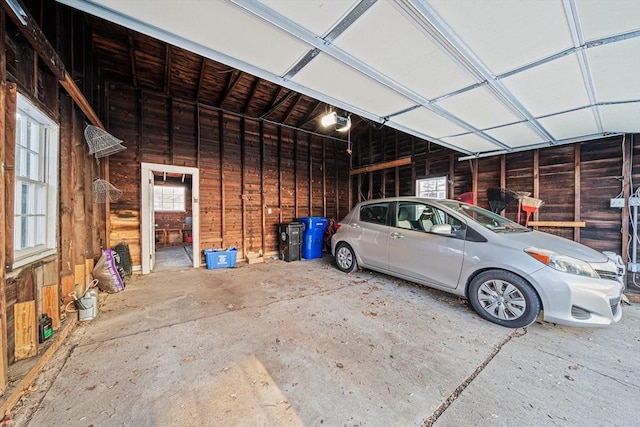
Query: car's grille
[(614, 303), (609, 275)]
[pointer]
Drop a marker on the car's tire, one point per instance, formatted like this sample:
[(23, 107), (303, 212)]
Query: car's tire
[(346, 258), (504, 298)]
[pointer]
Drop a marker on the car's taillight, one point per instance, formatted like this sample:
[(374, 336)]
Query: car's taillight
[(335, 227)]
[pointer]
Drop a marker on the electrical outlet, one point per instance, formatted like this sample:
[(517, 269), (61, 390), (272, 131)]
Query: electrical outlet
[(618, 202)]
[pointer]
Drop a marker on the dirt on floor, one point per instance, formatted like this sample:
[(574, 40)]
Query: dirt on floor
[(302, 344)]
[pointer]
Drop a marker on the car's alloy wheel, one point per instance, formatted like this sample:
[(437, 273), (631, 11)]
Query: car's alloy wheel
[(504, 298), (346, 258)]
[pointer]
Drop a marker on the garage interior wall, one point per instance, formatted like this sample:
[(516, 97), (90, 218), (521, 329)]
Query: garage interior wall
[(255, 172), (43, 286)]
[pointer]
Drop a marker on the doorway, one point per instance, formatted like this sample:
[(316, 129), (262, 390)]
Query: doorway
[(183, 228)]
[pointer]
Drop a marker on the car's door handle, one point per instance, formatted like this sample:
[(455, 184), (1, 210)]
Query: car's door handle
[(396, 235)]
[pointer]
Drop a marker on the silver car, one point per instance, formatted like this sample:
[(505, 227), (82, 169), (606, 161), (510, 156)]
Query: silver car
[(508, 272)]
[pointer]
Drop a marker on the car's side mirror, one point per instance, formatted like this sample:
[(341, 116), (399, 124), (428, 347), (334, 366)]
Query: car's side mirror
[(444, 229)]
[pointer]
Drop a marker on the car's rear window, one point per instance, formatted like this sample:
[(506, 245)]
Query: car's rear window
[(375, 213)]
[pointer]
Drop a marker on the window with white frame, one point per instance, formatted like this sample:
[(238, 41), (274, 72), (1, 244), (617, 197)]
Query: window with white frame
[(36, 184), (432, 188), (168, 198)]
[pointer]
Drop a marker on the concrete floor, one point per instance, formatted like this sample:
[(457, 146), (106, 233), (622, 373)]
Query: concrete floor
[(173, 257), (301, 344)]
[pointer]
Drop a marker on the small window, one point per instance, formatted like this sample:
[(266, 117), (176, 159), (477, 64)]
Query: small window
[(168, 198), (36, 185), (432, 188)]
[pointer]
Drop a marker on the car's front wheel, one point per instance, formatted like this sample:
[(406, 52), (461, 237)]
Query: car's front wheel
[(346, 258), (504, 298)]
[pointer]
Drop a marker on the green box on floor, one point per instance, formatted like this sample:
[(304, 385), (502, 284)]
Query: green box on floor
[(220, 258)]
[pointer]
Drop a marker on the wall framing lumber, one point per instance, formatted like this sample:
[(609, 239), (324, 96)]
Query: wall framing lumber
[(26, 330), (51, 304), (381, 166), (577, 190), (50, 57), (627, 149), (4, 363)]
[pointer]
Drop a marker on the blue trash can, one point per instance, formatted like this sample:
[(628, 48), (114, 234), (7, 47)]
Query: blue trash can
[(312, 236)]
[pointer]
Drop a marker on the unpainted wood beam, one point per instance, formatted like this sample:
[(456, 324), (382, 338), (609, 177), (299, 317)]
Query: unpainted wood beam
[(203, 67), (252, 93), (291, 108), (277, 105), (233, 82), (132, 58), (381, 166), (34, 35), (167, 69)]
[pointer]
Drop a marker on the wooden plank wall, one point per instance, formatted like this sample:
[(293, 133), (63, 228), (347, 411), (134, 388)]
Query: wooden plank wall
[(253, 174), (42, 284)]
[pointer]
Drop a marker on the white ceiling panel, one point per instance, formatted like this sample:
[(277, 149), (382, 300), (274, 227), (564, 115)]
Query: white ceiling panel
[(485, 64), (507, 34), (204, 23), (329, 76), (471, 142), (605, 18), (616, 70), (550, 88), (386, 40), (621, 118), (517, 135), (428, 123), (567, 125), (317, 16), (466, 106)]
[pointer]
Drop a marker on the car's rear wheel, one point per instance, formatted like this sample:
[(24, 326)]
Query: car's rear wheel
[(346, 258), (504, 298)]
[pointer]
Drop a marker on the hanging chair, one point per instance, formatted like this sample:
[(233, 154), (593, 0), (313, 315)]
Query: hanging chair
[(102, 143)]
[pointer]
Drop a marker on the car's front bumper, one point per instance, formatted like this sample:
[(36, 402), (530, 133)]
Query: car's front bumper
[(576, 300)]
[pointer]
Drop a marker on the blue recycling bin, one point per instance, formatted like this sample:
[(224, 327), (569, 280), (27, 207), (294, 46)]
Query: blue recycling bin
[(312, 236)]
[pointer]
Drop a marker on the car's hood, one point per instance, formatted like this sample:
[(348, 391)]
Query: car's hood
[(554, 243)]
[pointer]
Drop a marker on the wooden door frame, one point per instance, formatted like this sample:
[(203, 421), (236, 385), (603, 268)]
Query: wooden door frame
[(145, 213)]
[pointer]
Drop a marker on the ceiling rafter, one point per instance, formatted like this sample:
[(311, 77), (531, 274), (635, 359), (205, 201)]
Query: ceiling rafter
[(291, 108), (132, 57), (275, 102), (233, 81), (254, 88), (167, 69), (203, 67), (311, 115)]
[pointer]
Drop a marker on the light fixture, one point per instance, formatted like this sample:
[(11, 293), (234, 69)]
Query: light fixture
[(341, 123)]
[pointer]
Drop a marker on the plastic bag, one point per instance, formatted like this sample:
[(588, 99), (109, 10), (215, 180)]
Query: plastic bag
[(106, 272)]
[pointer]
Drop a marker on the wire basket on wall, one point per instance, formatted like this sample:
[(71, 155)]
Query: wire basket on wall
[(103, 190), (102, 143)]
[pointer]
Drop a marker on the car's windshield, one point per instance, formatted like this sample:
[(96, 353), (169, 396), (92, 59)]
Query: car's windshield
[(487, 219)]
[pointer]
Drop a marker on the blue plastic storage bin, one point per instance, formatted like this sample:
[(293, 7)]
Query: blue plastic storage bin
[(312, 236), (220, 258)]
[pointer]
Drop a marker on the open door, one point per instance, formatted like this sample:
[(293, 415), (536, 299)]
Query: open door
[(147, 213), (152, 224)]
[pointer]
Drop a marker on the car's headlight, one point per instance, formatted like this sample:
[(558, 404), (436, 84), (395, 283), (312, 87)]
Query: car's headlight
[(563, 263)]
